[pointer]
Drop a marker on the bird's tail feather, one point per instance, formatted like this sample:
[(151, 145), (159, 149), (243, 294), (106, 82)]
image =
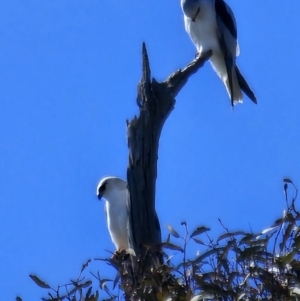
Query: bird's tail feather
[(233, 88), (244, 86)]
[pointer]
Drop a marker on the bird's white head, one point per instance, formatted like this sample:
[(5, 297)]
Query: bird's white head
[(109, 186), (191, 8)]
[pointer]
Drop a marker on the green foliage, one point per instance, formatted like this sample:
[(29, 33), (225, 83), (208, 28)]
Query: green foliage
[(236, 266)]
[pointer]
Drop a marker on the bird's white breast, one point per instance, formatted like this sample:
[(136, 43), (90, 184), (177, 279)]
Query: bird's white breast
[(117, 219), (203, 31)]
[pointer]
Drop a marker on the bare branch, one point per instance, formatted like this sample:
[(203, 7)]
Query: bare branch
[(155, 101)]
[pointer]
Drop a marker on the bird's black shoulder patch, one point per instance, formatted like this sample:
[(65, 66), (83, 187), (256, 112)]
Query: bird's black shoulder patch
[(223, 13)]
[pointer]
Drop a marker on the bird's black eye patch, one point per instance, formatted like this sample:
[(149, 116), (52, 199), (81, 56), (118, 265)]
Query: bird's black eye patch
[(102, 187)]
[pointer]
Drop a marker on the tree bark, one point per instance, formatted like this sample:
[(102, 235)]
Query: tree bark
[(155, 101)]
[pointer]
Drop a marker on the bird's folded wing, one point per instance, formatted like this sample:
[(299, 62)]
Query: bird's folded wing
[(227, 22)]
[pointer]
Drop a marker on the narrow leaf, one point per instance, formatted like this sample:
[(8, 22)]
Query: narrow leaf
[(39, 282), (88, 293), (103, 283), (85, 265), (296, 243), (286, 235), (287, 218), (91, 298), (268, 230), (208, 253), (170, 246), (295, 291), (74, 289), (288, 258), (168, 239), (230, 234), (199, 230), (117, 280), (106, 280), (247, 238), (241, 296), (80, 286), (198, 241), (203, 296), (248, 253), (196, 298), (113, 298), (183, 264), (173, 232), (86, 284)]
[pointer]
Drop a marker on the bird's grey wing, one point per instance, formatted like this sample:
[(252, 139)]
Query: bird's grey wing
[(227, 35), (228, 59), (226, 15)]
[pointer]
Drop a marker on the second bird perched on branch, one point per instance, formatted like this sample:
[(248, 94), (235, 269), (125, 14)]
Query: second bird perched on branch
[(212, 26), (114, 191)]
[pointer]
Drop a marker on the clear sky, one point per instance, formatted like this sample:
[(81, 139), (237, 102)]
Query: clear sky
[(68, 76)]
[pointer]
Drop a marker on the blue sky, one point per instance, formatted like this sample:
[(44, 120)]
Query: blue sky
[(68, 77)]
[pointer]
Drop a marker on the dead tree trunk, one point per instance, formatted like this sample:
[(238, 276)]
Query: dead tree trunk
[(155, 101)]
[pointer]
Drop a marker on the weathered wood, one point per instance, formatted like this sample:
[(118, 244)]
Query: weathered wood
[(155, 101)]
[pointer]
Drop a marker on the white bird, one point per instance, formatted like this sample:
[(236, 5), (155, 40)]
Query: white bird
[(211, 26), (114, 191)]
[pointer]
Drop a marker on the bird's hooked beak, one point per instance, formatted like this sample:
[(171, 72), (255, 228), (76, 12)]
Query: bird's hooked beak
[(198, 10), (101, 190), (99, 195)]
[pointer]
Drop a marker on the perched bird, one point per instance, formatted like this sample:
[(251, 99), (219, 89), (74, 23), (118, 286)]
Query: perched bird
[(114, 191), (211, 26)]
